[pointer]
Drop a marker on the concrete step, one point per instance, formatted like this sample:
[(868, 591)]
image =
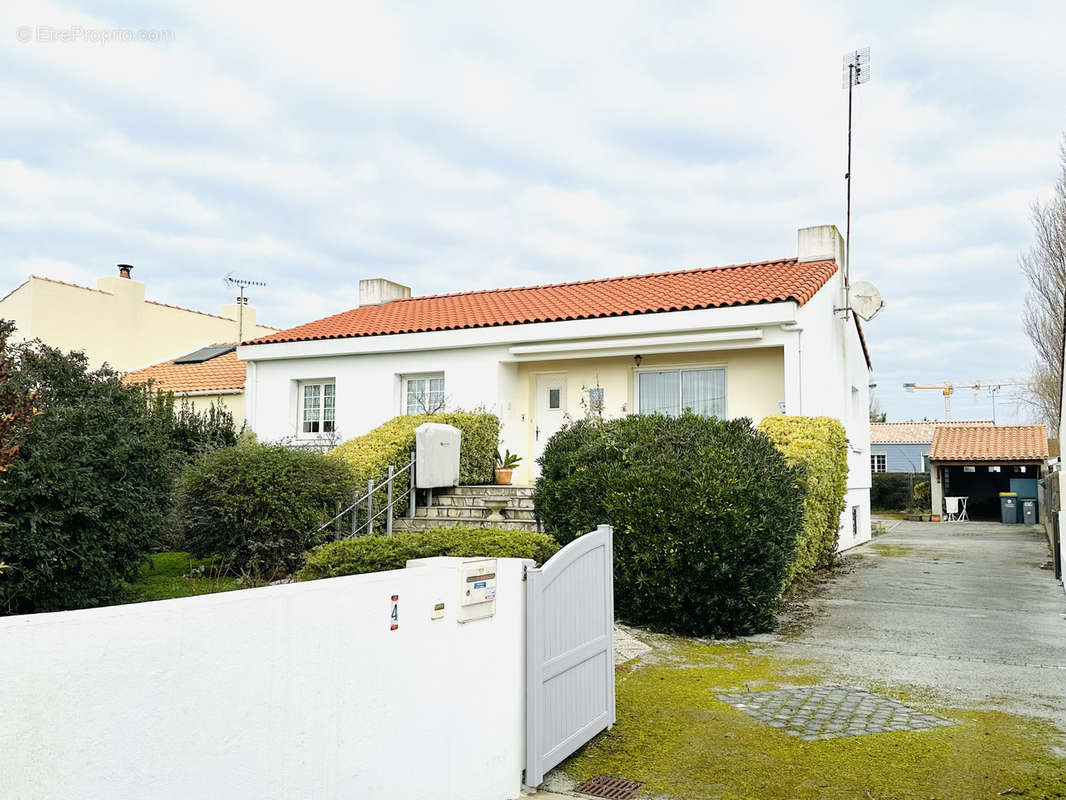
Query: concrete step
[(426, 524), (478, 501), (485, 491), (469, 512)]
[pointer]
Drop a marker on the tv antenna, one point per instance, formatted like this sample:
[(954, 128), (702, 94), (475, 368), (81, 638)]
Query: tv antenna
[(242, 283), (856, 71)]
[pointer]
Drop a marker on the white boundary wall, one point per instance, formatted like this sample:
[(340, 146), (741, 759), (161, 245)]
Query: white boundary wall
[(295, 691)]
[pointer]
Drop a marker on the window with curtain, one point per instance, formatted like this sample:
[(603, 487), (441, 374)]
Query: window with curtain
[(424, 394), (318, 407), (674, 391)]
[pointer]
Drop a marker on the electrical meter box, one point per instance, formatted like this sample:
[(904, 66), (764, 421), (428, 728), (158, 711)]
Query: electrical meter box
[(477, 589), (436, 455)]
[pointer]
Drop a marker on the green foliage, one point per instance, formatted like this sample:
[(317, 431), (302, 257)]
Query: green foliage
[(16, 401), (819, 447), (176, 574), (898, 491), (922, 499), (259, 507), (193, 433), (370, 455), (376, 553), (86, 497), (508, 460), (706, 516)]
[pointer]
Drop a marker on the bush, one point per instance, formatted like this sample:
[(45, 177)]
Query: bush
[(895, 491), (819, 447), (706, 516), (922, 500), (376, 553), (84, 500), (258, 506), (370, 455)]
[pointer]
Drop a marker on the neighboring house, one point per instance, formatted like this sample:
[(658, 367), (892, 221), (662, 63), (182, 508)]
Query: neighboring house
[(980, 461), (749, 340), (115, 324), (203, 377), (904, 446)]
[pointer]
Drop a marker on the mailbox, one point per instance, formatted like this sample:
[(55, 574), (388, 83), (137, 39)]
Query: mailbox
[(477, 589), (436, 455)]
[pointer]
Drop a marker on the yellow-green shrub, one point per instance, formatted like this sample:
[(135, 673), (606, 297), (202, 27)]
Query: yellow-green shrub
[(819, 445), (369, 455)]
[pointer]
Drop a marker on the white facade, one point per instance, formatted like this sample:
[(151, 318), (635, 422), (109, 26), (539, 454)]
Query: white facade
[(776, 357), (295, 691)]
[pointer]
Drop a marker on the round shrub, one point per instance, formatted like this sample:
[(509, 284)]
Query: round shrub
[(259, 506), (706, 515), (362, 554)]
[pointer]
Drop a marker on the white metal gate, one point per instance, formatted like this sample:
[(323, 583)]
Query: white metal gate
[(569, 651)]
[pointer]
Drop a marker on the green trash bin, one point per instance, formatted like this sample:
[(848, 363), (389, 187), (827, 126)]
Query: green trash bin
[(1008, 507)]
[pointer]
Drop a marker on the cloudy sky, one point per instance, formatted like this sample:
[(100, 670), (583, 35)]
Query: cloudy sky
[(453, 146)]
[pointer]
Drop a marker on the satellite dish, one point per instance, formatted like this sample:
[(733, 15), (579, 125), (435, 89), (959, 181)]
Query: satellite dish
[(866, 300)]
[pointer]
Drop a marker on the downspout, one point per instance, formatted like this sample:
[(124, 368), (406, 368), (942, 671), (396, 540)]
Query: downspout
[(793, 327)]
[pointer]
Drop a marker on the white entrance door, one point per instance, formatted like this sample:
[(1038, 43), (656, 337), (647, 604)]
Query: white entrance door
[(549, 409)]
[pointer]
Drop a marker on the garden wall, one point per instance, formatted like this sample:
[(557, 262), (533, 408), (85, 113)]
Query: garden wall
[(290, 691)]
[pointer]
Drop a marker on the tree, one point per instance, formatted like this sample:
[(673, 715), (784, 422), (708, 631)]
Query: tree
[(16, 402), (1044, 266), (876, 412)]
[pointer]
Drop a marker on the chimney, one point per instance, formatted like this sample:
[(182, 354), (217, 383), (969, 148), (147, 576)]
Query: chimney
[(821, 243), (124, 270), (378, 291)]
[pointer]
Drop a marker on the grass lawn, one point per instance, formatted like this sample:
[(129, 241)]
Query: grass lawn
[(684, 744), (165, 578)]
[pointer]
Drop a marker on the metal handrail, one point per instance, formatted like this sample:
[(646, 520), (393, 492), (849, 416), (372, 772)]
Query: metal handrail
[(368, 500)]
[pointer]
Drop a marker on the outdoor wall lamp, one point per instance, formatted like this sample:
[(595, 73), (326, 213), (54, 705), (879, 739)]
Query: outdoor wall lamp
[(637, 360)]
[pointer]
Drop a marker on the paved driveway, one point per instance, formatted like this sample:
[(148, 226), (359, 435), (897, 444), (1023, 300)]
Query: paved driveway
[(965, 611)]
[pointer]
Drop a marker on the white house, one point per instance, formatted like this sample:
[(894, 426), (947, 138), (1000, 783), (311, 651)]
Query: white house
[(747, 340)]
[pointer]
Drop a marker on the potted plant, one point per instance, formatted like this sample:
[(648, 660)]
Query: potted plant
[(505, 465)]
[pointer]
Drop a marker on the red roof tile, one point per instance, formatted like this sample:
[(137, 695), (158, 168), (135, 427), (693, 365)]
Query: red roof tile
[(714, 287), (989, 443), (223, 372), (915, 432)]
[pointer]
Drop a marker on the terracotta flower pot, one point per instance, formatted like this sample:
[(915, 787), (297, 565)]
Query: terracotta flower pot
[(503, 476)]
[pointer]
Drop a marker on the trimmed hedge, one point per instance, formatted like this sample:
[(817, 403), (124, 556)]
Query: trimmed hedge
[(706, 516), (370, 455), (376, 553), (892, 491), (819, 447), (259, 506)]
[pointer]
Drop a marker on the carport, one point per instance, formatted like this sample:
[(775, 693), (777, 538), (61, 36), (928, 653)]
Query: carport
[(979, 462)]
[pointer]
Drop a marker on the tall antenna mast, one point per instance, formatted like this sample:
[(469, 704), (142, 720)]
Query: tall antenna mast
[(242, 283), (856, 71)]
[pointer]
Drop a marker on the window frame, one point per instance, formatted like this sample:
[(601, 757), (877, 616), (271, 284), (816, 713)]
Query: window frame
[(301, 405), (873, 465), (681, 368), (405, 381)]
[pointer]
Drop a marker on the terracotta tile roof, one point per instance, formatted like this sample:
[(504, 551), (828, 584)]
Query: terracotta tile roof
[(989, 443), (713, 287), (223, 372), (913, 432)]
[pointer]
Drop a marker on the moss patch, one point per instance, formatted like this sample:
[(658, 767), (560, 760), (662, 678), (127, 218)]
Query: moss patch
[(683, 743), (890, 550), (164, 578)]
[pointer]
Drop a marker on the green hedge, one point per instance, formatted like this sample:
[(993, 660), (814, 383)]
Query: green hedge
[(259, 506), (376, 553), (899, 491), (706, 516), (819, 447), (370, 455)]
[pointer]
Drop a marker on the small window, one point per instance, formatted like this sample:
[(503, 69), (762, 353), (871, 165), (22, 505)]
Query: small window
[(553, 398), (969, 469), (423, 394), (878, 462), (596, 400), (994, 469), (318, 407)]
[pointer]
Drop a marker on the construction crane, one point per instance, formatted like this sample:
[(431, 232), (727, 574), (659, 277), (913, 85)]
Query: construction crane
[(949, 389)]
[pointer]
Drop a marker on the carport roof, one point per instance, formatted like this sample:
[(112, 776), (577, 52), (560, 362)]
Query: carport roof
[(968, 443)]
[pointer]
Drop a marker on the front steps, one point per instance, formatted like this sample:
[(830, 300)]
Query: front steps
[(465, 505)]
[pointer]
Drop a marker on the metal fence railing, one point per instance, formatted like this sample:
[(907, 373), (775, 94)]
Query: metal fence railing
[(363, 505)]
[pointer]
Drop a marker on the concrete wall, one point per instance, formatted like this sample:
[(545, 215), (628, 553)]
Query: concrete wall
[(296, 691), (115, 323), (902, 457)]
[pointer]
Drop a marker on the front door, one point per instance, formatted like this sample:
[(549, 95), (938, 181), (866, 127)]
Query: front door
[(549, 408)]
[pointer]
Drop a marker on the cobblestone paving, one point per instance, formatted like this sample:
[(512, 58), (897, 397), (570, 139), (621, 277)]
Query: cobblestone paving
[(828, 712)]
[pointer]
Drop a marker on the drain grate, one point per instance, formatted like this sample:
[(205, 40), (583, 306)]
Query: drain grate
[(611, 788)]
